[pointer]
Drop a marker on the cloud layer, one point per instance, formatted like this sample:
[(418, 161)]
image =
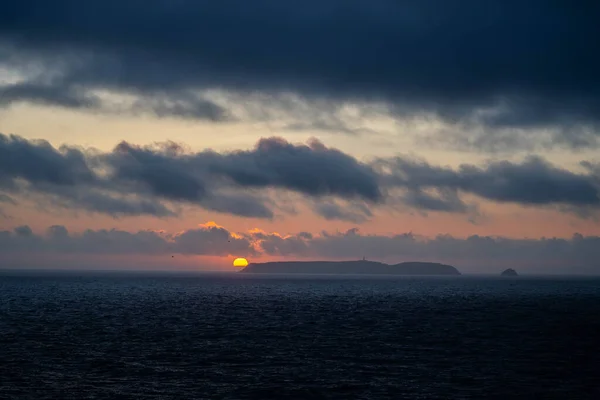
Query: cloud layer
[(158, 180), (134, 180), (534, 182), (578, 254), (208, 239), (502, 64)]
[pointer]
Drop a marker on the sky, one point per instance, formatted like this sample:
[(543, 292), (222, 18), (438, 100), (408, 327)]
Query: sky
[(163, 134)]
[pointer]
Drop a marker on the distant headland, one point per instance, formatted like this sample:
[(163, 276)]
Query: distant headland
[(351, 267)]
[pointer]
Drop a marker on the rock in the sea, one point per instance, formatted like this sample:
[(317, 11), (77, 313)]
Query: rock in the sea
[(509, 272)]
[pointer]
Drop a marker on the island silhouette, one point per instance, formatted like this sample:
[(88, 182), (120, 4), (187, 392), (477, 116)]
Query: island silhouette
[(351, 267), (509, 272)]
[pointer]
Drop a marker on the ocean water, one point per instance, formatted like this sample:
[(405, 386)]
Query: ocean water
[(68, 335)]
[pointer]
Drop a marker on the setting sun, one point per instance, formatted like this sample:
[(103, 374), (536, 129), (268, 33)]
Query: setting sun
[(240, 262)]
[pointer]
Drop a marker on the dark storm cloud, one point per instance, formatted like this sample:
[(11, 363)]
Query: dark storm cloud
[(311, 169), (39, 162), (533, 182), (164, 174), (536, 60), (134, 180), (65, 177), (152, 180)]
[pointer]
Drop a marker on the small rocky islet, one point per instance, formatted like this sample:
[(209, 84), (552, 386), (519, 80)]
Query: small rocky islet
[(509, 272)]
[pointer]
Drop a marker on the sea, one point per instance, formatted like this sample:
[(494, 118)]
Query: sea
[(150, 335)]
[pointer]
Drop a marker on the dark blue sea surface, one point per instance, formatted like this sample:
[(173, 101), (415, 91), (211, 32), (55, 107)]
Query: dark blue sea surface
[(101, 335)]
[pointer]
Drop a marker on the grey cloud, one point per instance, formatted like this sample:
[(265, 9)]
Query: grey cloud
[(23, 231), (332, 210), (155, 180), (578, 254), (113, 242), (325, 126), (38, 161), (312, 169), (431, 56), (292, 112), (134, 180), (320, 115), (474, 135), (276, 245), (65, 176), (212, 240), (57, 232), (206, 240), (533, 182), (174, 104), (181, 105), (96, 201), (244, 205), (160, 172), (593, 168), (48, 95), (446, 201), (4, 198)]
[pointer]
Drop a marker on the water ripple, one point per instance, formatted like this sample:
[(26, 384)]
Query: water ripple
[(97, 336)]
